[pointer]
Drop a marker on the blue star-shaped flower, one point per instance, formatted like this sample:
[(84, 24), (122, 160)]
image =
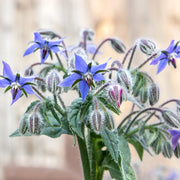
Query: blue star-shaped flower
[(167, 56), (46, 47), (16, 83), (175, 137), (85, 74)]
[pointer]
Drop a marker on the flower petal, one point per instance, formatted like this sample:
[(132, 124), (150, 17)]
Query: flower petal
[(23, 80), (4, 83), (170, 48), (173, 132), (162, 65), (91, 48), (7, 72), (18, 95), (55, 43), (84, 89), (37, 37), (156, 60), (55, 49), (98, 77), (96, 68), (29, 90), (31, 49), (69, 80), (80, 64), (175, 141)]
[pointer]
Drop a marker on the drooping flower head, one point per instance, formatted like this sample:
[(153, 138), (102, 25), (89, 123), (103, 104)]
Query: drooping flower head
[(16, 83), (46, 47), (85, 74), (167, 56), (175, 137)]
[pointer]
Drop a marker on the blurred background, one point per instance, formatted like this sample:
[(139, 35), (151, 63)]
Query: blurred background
[(45, 158)]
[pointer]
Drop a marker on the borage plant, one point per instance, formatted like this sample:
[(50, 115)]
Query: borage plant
[(102, 88)]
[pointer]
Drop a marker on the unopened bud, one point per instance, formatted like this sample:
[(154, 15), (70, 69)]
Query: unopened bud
[(177, 151), (115, 93), (109, 121), (178, 107), (97, 120), (124, 78), (34, 123), (28, 72), (156, 145), (139, 82), (167, 149), (153, 94), (52, 81), (117, 45), (49, 34), (147, 46), (143, 95), (89, 33), (23, 124), (171, 119)]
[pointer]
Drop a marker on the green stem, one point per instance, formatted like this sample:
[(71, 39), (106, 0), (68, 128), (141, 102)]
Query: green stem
[(61, 101), (126, 118), (57, 107), (84, 158), (39, 93), (171, 100), (126, 55), (141, 65), (108, 39), (137, 129), (144, 110), (59, 60), (132, 55)]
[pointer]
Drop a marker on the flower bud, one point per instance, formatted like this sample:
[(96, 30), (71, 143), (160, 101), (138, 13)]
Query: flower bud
[(52, 80), (147, 46), (143, 95), (124, 78), (28, 72), (156, 145), (97, 120), (89, 34), (167, 149), (153, 94), (34, 123), (171, 118), (49, 34), (115, 93), (23, 124), (177, 151), (109, 121), (178, 107), (117, 45), (139, 82)]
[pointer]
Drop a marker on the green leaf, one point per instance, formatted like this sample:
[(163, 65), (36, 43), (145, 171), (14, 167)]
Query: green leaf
[(110, 139), (54, 132), (17, 134), (137, 145), (114, 168), (74, 117), (124, 152), (108, 103)]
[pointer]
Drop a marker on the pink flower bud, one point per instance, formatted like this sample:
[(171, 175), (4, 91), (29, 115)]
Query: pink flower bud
[(115, 93)]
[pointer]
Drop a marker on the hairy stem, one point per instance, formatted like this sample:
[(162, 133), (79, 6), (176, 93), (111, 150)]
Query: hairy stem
[(108, 39), (144, 110)]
